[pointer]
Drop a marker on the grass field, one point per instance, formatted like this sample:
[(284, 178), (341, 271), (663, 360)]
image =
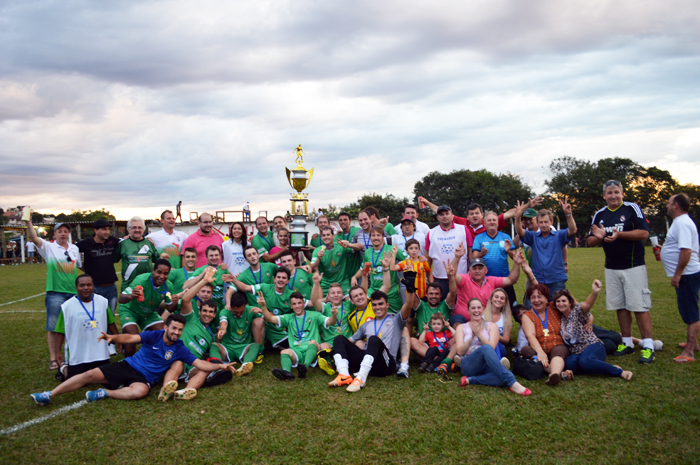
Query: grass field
[(257, 419)]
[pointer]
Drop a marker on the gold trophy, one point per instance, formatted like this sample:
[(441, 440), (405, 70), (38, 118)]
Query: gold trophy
[(299, 179)]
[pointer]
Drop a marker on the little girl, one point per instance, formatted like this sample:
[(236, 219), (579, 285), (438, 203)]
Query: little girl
[(437, 338)]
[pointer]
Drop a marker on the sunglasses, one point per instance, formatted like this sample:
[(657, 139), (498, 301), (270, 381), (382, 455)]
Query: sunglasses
[(68, 256), (612, 183)]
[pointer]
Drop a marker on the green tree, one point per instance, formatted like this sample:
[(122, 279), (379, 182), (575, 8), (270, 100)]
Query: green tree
[(388, 205)]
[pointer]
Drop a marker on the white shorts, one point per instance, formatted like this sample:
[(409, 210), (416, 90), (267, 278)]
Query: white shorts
[(627, 289)]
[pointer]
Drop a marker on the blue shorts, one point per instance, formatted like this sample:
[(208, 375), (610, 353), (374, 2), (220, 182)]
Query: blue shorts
[(687, 296), (457, 319), (54, 300)]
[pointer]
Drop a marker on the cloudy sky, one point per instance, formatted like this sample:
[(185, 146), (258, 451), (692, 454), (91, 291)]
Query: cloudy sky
[(132, 106)]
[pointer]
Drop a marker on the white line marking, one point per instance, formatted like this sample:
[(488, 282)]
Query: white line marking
[(36, 421), (24, 311), (20, 300)]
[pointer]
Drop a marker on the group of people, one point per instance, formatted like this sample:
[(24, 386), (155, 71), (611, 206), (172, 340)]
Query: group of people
[(355, 303)]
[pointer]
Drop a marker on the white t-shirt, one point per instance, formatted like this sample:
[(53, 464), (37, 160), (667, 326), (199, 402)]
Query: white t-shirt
[(400, 240), (82, 345), (420, 227), (522, 340), (233, 257), (168, 243), (31, 247), (442, 248), (683, 234)]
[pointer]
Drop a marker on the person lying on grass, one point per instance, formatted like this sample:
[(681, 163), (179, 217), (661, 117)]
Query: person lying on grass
[(587, 351), (303, 334), (477, 341), (138, 373)]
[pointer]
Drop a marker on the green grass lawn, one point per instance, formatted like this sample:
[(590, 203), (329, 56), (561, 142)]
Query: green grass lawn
[(257, 419)]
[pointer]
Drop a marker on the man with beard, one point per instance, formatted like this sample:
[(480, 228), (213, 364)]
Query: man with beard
[(203, 238)]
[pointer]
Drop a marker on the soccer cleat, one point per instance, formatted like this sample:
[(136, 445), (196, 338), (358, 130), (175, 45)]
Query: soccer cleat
[(658, 345), (424, 367), (41, 398), (93, 396), (325, 366), (186, 394), (402, 373), (356, 385), (259, 360), (283, 375), (218, 377), (443, 369), (506, 363), (245, 369), (167, 390), (302, 370), (647, 356), (341, 380), (623, 350)]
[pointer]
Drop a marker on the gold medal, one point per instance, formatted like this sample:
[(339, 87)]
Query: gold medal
[(545, 331), (93, 323)]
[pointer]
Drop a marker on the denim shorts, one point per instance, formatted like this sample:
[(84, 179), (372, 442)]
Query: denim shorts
[(687, 296), (54, 300)]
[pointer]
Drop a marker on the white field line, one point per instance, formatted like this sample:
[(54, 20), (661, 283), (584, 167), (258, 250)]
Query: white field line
[(20, 300), (36, 421), (24, 311)]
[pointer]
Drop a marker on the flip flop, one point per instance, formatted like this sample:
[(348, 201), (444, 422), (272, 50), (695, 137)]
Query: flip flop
[(53, 365), (682, 346), (683, 359)]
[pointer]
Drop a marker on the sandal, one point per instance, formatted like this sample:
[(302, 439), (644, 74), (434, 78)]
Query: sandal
[(53, 365)]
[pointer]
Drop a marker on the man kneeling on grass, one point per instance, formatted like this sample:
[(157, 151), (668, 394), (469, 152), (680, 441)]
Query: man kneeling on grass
[(304, 332), (383, 335), (161, 351)]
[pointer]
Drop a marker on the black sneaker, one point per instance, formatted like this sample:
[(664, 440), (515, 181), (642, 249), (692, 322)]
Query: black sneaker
[(425, 366), (623, 350), (284, 375), (647, 356), (301, 370)]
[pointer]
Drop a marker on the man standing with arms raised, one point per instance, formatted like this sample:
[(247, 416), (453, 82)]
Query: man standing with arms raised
[(203, 238), (440, 246), (621, 228), (98, 261), (167, 240), (62, 264), (135, 252)]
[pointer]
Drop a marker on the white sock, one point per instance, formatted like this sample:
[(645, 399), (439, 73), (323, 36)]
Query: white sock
[(341, 365), (404, 366), (628, 341), (648, 343), (365, 367)]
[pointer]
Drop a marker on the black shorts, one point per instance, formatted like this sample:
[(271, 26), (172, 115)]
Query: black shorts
[(121, 374), (74, 370)]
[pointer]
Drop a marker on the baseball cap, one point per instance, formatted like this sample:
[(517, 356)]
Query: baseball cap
[(444, 208), (476, 261), (530, 213), (58, 225), (101, 224), (408, 218)]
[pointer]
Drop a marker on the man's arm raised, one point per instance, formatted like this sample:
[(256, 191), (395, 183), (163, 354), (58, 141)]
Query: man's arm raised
[(568, 212), (186, 306), (515, 272), (317, 292)]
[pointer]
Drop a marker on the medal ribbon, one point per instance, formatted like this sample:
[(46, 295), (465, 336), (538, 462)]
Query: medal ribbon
[(357, 325), (367, 242), (267, 241), (154, 287), (290, 285), (375, 261), (92, 317), (376, 332), (303, 322), (259, 273), (544, 323), (442, 347)]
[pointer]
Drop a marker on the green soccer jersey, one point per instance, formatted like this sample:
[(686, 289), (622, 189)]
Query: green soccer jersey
[(390, 230), (277, 304), (262, 276), (301, 282), (263, 244), (425, 311), (219, 291), (332, 265), (341, 328), (303, 329), (354, 259), (152, 296), (177, 278), (376, 276), (239, 331), (137, 258), (196, 337)]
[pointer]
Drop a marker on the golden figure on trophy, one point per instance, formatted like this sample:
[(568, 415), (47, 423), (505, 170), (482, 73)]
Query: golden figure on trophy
[(299, 179)]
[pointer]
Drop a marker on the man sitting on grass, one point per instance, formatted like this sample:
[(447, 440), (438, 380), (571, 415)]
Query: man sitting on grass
[(159, 352), (236, 332)]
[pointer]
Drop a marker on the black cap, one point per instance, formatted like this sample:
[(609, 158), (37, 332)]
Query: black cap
[(101, 224), (444, 208), (477, 261)]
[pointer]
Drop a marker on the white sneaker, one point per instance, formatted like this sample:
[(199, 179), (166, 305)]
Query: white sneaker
[(458, 360), (402, 373), (658, 345), (506, 363)]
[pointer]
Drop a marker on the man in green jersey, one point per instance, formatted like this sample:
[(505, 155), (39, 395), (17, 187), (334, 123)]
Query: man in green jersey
[(258, 273), (330, 260), (136, 253), (178, 276), (299, 280), (346, 233), (303, 333), (321, 222), (264, 241), (213, 254), (335, 302), (423, 312), (143, 301), (236, 332), (374, 256), (199, 340)]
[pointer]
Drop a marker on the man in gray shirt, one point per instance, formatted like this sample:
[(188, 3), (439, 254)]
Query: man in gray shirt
[(383, 335)]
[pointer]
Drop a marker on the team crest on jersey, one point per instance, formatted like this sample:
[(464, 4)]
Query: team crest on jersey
[(622, 218), (169, 355), (87, 324), (202, 341), (447, 249), (275, 311)]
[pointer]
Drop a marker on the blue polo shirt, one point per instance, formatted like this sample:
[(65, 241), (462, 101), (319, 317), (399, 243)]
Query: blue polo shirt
[(497, 258), (155, 356), (547, 258)]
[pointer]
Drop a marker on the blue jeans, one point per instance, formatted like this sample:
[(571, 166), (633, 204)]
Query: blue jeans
[(53, 301), (592, 362), (687, 298), (554, 287), (484, 367), (500, 350), (109, 293)]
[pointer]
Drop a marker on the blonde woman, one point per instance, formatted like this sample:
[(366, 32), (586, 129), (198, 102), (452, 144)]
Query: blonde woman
[(498, 312)]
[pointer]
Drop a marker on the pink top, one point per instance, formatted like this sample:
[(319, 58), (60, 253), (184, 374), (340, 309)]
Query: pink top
[(468, 289), (200, 242), (476, 342)]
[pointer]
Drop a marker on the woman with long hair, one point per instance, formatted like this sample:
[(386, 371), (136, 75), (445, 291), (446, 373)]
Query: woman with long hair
[(498, 312), (234, 247)]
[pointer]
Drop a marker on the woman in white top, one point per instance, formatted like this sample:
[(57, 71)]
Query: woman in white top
[(233, 249), (477, 339), (499, 309)]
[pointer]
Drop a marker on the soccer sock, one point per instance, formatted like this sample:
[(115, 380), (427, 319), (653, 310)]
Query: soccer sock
[(252, 353), (365, 367), (404, 366), (341, 365), (310, 355), (447, 361), (286, 362), (628, 342), (648, 343)]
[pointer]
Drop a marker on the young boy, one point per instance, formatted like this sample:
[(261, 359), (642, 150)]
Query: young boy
[(416, 262), (236, 333), (437, 338), (342, 326), (303, 335)]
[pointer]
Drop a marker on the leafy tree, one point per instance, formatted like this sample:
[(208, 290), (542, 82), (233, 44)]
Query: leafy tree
[(388, 205)]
